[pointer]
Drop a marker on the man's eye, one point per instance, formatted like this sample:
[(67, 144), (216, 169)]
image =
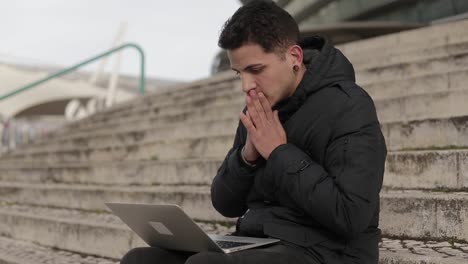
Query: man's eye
[(256, 71)]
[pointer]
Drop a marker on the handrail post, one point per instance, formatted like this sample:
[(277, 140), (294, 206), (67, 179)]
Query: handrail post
[(142, 70)]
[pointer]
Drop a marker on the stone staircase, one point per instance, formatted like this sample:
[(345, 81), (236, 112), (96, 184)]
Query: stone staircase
[(167, 146)]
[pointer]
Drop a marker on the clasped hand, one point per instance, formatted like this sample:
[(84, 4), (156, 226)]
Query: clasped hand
[(263, 125)]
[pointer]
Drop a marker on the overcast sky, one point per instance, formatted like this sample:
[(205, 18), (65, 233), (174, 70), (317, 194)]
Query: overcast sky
[(178, 36)]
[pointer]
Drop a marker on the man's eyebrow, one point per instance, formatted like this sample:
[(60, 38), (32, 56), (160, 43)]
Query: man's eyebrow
[(248, 67)]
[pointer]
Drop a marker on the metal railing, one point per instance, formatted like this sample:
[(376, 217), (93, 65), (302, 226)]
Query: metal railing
[(81, 64)]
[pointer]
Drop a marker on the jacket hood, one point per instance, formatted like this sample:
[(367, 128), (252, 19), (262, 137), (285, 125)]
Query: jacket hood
[(325, 65)]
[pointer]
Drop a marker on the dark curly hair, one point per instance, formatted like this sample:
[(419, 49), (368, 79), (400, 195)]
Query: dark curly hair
[(260, 22)]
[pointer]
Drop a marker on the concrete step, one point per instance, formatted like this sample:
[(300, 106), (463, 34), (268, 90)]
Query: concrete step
[(201, 100), (104, 235), (13, 251), (424, 106), (428, 169), (214, 83), (448, 72), (83, 232), (412, 106), (443, 81), (424, 214), (429, 133), (187, 148), (144, 109), (420, 169), (194, 115), (437, 104), (433, 81), (128, 135), (170, 116), (444, 170), (410, 85), (416, 54), (450, 50), (421, 134), (383, 92), (445, 59), (193, 92), (372, 76), (125, 173), (406, 42), (194, 199), (217, 81), (168, 106), (437, 133), (91, 233), (441, 105), (410, 213), (412, 69), (435, 76), (444, 50)]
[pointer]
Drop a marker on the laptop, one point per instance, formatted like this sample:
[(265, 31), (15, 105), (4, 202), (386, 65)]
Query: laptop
[(168, 226)]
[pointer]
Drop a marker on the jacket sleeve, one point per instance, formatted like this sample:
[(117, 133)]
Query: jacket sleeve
[(233, 181), (343, 196)]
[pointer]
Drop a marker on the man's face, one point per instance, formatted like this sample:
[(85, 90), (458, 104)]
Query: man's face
[(268, 73)]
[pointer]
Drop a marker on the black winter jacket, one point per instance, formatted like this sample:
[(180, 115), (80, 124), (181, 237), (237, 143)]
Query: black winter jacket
[(321, 190)]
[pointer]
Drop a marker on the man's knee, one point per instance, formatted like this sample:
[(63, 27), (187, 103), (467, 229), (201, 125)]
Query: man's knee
[(207, 258), (140, 255), (131, 256)]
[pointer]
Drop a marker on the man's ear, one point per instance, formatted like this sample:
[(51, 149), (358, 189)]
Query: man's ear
[(296, 54)]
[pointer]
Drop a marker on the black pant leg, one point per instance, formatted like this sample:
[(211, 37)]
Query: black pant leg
[(154, 255), (277, 254)]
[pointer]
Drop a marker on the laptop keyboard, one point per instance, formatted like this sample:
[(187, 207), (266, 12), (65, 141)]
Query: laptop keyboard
[(230, 244)]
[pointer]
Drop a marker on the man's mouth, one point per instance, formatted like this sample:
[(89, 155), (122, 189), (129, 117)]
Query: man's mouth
[(252, 93)]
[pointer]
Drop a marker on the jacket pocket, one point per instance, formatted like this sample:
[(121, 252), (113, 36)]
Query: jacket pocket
[(252, 222), (296, 234), (336, 157)]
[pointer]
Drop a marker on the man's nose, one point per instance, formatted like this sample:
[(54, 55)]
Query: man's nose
[(248, 83)]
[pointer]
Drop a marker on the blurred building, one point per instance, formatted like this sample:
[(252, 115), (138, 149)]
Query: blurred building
[(350, 20)]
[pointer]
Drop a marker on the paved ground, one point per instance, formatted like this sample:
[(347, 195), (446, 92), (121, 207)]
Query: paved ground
[(411, 251), (19, 252), (392, 251)]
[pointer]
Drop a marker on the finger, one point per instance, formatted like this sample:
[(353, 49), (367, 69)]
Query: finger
[(279, 126), (276, 117), (247, 122), (266, 106), (260, 111), (248, 115), (252, 110), (277, 120), (248, 141), (258, 106)]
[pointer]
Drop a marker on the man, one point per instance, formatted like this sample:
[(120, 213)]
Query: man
[(308, 157)]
